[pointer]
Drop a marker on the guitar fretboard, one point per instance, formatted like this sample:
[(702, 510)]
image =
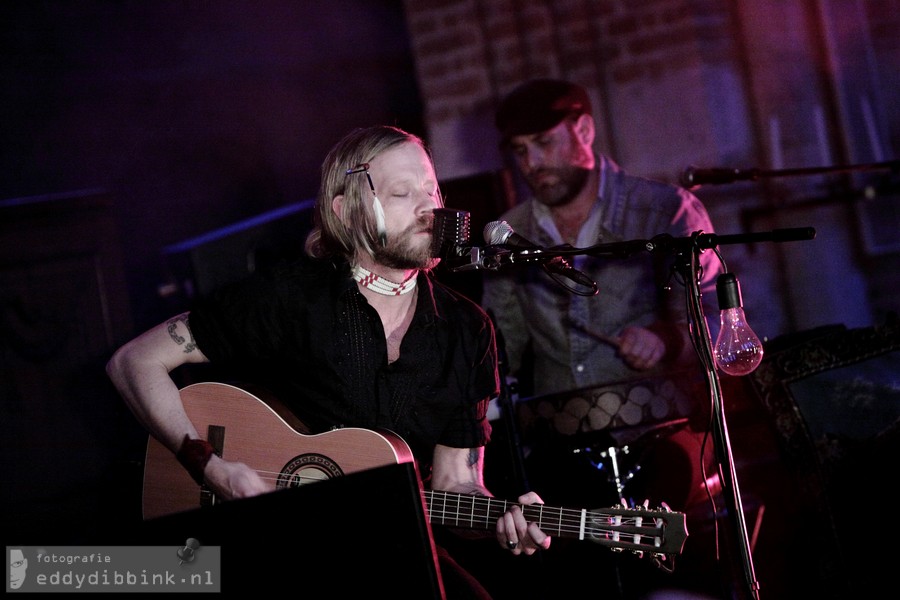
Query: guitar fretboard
[(619, 527)]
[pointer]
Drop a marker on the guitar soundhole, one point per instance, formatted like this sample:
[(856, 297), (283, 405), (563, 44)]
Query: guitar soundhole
[(307, 468)]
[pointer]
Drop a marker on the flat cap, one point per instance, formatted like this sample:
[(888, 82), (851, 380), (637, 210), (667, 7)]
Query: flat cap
[(539, 105)]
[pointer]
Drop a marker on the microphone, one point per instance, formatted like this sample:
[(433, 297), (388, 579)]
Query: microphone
[(693, 177), (500, 233), (450, 233), (450, 241)]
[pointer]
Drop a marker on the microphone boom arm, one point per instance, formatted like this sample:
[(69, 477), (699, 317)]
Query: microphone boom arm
[(494, 257), (693, 177)]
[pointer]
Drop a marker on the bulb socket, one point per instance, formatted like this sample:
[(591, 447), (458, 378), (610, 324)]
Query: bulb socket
[(728, 291)]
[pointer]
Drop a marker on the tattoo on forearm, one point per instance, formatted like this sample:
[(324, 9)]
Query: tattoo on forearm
[(172, 328), (474, 455)]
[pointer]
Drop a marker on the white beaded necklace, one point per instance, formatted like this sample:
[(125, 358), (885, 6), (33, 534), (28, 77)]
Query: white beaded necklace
[(380, 285)]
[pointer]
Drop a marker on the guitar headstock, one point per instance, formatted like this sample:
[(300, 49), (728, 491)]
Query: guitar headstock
[(658, 532)]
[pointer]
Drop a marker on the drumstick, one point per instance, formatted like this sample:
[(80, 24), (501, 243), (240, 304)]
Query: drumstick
[(598, 335)]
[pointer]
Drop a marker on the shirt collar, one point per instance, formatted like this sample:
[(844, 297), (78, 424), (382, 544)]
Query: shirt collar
[(589, 232)]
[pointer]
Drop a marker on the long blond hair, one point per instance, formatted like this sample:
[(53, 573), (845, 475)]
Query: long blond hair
[(330, 236)]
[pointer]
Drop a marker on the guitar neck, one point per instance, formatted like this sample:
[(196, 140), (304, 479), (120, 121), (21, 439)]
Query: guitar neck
[(637, 529)]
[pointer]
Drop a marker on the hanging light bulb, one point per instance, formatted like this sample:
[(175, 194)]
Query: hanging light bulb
[(738, 350)]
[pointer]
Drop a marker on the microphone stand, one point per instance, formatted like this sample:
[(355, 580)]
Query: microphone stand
[(687, 262), (506, 402), (687, 251)]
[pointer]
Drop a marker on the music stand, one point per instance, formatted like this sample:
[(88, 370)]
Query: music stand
[(358, 535)]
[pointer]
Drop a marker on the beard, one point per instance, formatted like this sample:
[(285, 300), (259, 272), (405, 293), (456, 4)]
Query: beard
[(570, 180), (408, 249)]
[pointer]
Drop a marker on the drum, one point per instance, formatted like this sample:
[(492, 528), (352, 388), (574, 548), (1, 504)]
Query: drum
[(636, 439)]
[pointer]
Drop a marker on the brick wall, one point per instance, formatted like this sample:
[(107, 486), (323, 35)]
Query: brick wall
[(771, 84), (633, 58)]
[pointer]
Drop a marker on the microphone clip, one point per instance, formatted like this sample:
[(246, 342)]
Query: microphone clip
[(559, 266), (474, 258)]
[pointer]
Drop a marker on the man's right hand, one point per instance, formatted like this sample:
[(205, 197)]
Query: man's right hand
[(230, 480), (640, 348)]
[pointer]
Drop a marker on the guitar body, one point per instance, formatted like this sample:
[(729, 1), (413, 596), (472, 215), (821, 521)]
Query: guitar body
[(244, 428), (269, 439)]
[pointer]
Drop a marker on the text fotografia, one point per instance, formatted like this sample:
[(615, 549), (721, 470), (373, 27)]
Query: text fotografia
[(115, 578), (70, 559)]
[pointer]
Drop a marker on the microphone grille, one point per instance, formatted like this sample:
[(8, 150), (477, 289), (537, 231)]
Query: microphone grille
[(450, 230), (497, 232)]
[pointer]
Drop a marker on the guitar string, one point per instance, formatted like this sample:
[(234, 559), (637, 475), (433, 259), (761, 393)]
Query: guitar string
[(497, 507), (568, 520), (616, 511)]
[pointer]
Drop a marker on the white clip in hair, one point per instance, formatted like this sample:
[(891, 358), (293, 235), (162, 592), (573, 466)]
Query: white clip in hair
[(379, 220), (380, 227)]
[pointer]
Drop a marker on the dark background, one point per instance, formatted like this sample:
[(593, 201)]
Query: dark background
[(193, 115)]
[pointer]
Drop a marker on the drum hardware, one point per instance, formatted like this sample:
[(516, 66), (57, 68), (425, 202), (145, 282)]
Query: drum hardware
[(605, 453), (611, 453)]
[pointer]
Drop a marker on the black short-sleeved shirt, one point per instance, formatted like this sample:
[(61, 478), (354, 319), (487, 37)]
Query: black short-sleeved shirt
[(305, 333)]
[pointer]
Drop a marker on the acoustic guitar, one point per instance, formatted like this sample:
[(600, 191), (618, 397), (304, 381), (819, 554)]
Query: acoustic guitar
[(264, 435)]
